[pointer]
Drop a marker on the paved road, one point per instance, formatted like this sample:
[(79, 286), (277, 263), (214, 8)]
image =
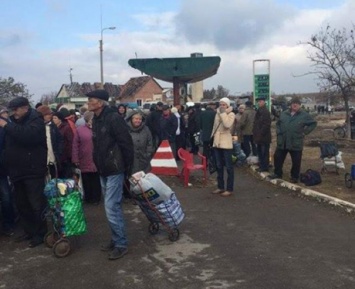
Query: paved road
[(262, 237)]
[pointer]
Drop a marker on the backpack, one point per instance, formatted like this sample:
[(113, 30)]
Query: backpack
[(311, 178)]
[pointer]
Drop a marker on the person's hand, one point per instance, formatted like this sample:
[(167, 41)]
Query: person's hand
[(3, 122)]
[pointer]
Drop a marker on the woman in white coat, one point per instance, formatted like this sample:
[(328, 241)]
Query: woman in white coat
[(223, 147)]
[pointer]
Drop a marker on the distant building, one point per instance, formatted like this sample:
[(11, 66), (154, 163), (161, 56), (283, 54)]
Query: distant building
[(137, 89)]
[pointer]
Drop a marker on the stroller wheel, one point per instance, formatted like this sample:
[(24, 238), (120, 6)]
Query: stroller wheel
[(153, 228), (348, 180), (61, 248), (50, 238), (174, 235)]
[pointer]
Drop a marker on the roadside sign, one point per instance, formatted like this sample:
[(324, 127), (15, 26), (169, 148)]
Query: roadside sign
[(261, 81)]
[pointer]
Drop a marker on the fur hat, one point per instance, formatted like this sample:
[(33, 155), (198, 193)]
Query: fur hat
[(296, 99), (225, 100), (44, 110)]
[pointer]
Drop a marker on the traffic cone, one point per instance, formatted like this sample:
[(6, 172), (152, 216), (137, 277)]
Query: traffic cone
[(163, 162)]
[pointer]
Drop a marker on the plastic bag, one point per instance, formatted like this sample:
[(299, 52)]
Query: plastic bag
[(154, 188)]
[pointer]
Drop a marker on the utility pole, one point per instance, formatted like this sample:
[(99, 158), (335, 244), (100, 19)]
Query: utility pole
[(71, 76)]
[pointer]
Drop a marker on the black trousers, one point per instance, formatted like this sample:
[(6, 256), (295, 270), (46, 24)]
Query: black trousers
[(279, 159), (92, 187), (31, 204), (248, 145), (263, 155)]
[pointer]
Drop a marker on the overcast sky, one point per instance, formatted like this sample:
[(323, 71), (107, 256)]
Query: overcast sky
[(40, 40)]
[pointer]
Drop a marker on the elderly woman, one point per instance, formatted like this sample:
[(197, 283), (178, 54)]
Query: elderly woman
[(82, 157), (142, 141), (223, 146), (65, 164)]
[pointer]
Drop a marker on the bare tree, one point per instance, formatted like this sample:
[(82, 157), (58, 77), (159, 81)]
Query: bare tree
[(332, 53), (10, 89), (48, 98)]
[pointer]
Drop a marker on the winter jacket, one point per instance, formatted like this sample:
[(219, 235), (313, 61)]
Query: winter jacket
[(168, 127), (57, 141), (222, 129), (68, 136), (113, 145), (143, 147), (83, 150), (291, 130), (193, 124), (247, 121), (262, 126), (206, 123), (25, 151)]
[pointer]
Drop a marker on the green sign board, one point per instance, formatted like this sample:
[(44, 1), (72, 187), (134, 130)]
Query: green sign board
[(262, 87)]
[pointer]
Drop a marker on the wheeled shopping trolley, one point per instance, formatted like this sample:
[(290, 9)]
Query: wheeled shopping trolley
[(163, 210), (66, 215)]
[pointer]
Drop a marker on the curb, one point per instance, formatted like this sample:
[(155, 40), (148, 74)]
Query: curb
[(349, 207)]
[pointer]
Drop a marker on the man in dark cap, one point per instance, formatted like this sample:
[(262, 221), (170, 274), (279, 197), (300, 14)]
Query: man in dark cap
[(26, 160), (262, 134), (113, 157), (291, 129), (246, 123)]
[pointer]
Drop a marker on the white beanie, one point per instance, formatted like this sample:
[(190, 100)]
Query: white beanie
[(225, 100)]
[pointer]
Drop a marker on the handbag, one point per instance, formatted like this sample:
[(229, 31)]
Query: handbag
[(197, 138), (211, 162), (211, 159)]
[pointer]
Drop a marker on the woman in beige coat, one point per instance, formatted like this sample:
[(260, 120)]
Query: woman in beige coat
[(223, 146)]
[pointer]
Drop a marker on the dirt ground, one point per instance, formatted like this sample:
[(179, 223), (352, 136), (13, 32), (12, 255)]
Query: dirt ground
[(333, 184)]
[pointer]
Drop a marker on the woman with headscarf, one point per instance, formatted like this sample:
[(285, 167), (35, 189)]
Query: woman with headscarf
[(122, 110), (142, 141), (65, 164), (82, 157)]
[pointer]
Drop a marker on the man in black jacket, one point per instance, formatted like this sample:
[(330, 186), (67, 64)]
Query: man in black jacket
[(26, 160), (113, 157)]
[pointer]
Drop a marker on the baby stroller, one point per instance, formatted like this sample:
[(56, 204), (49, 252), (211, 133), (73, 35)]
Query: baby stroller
[(66, 214), (328, 154)]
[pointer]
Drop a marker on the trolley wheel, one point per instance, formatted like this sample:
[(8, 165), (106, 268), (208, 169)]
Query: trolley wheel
[(153, 228), (174, 235), (339, 132), (50, 238), (61, 248), (348, 180)]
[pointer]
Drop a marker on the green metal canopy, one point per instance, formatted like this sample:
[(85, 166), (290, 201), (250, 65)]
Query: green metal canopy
[(178, 70)]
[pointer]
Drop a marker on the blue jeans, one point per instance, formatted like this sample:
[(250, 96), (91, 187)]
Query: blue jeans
[(7, 204), (112, 188), (224, 159)]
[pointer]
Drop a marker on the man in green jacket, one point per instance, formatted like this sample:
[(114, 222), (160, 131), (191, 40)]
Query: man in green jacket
[(291, 128)]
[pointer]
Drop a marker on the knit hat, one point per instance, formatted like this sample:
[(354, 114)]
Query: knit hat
[(225, 100), (44, 110), (59, 115), (88, 115), (64, 111), (3, 109)]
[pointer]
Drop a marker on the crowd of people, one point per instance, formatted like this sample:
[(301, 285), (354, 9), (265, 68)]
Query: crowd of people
[(109, 144)]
